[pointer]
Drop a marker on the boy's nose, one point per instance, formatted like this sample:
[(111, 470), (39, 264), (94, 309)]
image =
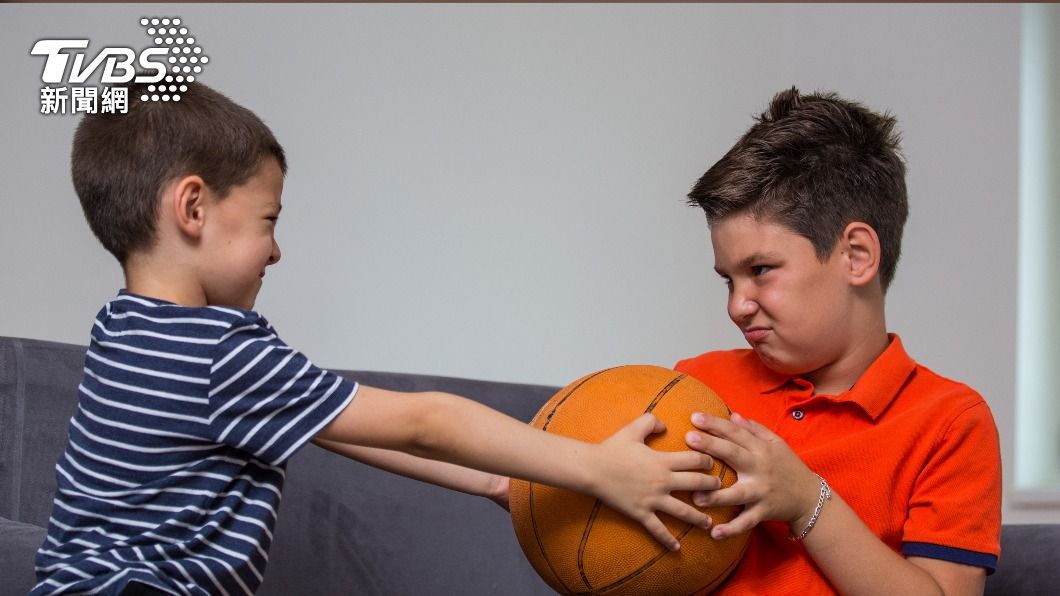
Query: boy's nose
[(741, 306), (275, 256)]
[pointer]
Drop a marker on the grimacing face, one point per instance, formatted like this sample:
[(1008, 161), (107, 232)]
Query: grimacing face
[(790, 305)]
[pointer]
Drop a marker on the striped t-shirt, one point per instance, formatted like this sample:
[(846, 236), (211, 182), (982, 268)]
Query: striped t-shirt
[(175, 465)]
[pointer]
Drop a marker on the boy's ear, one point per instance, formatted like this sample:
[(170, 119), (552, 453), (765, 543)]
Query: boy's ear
[(861, 245), (188, 204)]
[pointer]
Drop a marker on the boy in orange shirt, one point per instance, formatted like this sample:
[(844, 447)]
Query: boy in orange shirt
[(860, 471)]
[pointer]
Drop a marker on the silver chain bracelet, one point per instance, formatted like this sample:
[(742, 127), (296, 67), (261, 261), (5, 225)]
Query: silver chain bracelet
[(826, 494)]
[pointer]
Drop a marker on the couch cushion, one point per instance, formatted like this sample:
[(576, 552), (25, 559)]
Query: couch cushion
[(18, 547)]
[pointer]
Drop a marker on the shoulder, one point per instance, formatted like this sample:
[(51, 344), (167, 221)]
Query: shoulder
[(204, 320), (930, 389), (951, 415), (153, 324)]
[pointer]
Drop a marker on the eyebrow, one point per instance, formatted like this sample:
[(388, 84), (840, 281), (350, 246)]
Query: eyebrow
[(751, 259)]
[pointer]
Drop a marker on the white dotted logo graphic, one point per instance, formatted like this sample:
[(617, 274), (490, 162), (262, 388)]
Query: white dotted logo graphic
[(184, 57), (166, 68)]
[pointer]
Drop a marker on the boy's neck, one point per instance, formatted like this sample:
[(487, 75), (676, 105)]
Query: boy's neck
[(146, 278), (841, 375)]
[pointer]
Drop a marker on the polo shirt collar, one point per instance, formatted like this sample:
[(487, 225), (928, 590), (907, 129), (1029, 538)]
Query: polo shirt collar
[(873, 392)]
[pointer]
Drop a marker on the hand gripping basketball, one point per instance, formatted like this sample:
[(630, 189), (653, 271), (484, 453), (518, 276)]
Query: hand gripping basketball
[(580, 545)]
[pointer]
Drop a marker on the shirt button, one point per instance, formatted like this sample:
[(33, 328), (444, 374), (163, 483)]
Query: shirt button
[(797, 414)]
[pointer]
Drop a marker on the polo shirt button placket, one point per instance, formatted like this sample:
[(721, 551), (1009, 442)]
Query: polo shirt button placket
[(798, 414)]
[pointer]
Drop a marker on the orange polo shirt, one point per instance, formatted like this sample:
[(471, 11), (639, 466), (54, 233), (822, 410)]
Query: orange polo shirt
[(916, 456)]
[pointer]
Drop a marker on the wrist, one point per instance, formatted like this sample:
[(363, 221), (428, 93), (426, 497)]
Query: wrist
[(588, 465), (497, 489), (801, 527)]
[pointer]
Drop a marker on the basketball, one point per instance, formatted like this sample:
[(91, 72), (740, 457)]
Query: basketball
[(580, 546)]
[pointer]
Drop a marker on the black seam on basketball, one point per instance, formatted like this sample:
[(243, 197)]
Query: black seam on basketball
[(552, 412), (723, 473), (588, 527), (662, 392), (717, 579), (632, 575), (533, 517), (584, 540), (537, 539)]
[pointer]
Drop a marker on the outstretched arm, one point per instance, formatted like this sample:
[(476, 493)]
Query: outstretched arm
[(622, 471), (774, 484), (451, 476)]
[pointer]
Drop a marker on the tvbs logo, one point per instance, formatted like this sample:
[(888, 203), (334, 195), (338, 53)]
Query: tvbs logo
[(174, 60), (118, 63)]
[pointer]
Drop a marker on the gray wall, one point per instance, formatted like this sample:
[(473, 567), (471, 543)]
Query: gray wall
[(497, 191)]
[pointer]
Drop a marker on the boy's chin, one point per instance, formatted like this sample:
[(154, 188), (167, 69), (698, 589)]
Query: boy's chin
[(778, 363)]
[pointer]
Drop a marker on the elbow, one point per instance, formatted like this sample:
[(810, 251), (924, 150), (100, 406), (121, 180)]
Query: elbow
[(426, 431)]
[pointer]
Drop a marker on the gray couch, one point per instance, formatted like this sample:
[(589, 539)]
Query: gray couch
[(345, 528)]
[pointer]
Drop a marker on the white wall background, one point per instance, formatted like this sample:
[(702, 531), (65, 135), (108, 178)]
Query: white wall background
[(496, 191)]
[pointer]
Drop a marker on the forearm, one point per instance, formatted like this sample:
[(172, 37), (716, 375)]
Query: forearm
[(856, 561), (774, 484), (470, 434), (447, 428), (443, 474)]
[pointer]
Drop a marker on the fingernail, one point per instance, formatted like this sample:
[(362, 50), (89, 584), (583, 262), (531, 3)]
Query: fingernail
[(708, 523), (692, 437), (717, 534), (676, 546), (699, 499), (698, 418)]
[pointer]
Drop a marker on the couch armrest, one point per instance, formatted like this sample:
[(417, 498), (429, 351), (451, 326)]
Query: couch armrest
[(18, 548), (1028, 560)]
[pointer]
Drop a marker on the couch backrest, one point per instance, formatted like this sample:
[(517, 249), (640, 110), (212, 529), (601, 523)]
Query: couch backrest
[(346, 528), (343, 527), (38, 395)]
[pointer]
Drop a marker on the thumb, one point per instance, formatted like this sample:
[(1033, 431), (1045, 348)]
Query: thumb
[(643, 426), (756, 429)]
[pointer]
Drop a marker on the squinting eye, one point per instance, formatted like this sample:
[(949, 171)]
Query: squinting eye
[(760, 270)]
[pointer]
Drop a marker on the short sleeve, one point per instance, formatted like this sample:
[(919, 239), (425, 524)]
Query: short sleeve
[(266, 397), (955, 508)]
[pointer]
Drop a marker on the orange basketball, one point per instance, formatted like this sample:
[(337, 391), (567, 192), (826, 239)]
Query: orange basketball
[(580, 546)]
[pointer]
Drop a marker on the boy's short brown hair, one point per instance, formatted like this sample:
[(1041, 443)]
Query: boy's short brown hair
[(814, 164), (120, 162)]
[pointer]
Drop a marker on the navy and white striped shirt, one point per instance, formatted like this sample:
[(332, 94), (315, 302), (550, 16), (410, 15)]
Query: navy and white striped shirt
[(175, 465)]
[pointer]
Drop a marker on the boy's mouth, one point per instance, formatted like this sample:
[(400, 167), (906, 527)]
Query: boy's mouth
[(755, 334)]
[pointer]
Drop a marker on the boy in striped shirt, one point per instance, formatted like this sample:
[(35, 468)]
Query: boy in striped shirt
[(191, 405)]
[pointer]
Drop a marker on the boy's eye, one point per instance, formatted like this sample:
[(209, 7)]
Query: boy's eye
[(758, 270)]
